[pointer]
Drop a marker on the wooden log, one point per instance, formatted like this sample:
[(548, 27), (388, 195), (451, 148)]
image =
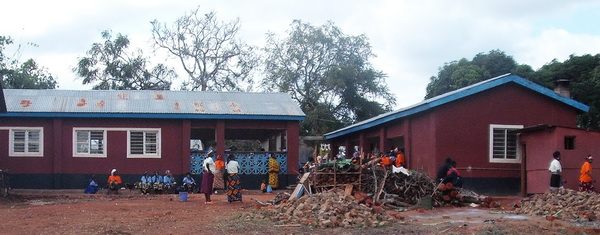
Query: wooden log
[(348, 190)]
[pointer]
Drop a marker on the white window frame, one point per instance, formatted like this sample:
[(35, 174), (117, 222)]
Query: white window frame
[(145, 155), (491, 144), (93, 155), (11, 142)]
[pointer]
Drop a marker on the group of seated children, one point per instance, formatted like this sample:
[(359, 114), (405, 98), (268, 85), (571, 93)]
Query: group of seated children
[(156, 183)]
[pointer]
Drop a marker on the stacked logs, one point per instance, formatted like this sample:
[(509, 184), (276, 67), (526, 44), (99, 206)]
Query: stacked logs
[(563, 203), (329, 177), (447, 194), (396, 189), (327, 210)]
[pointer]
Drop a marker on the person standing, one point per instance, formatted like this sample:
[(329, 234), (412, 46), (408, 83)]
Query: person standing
[(208, 178), (585, 178), (555, 170), (220, 168), (233, 180), (273, 172)]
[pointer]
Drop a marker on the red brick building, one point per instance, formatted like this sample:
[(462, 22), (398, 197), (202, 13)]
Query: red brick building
[(475, 125), (57, 138)]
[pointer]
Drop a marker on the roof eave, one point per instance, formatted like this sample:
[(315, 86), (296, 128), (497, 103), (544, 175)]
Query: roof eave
[(153, 116), (455, 95)]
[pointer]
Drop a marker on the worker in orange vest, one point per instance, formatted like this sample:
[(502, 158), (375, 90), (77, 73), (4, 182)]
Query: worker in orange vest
[(386, 160), (585, 178), (399, 158)]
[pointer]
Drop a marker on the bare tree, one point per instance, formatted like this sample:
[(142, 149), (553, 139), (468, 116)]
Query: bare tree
[(208, 50)]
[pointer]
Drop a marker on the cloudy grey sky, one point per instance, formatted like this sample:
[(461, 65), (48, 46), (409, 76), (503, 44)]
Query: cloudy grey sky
[(412, 39)]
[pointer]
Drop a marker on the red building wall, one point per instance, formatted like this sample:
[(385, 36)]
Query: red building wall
[(539, 148), (421, 150), (116, 145), (462, 127), (19, 165)]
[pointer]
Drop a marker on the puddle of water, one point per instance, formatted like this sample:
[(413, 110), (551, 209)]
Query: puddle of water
[(517, 217)]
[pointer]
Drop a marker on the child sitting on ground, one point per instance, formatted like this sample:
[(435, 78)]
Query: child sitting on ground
[(263, 186)]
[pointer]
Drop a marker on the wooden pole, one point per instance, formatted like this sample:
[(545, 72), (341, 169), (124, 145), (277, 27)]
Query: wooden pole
[(360, 171)]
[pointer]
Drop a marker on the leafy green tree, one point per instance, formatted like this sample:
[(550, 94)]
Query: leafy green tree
[(458, 74), (584, 75), (27, 75), (110, 66), (208, 51), (328, 73)]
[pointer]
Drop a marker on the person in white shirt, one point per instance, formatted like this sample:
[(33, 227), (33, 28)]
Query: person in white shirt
[(233, 179), (555, 170)]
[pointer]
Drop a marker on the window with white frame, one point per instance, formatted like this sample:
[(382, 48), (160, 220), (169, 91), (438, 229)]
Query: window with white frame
[(89, 143), (504, 143), (144, 143), (27, 142)]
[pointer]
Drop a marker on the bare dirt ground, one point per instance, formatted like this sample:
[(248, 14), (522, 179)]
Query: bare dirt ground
[(72, 212)]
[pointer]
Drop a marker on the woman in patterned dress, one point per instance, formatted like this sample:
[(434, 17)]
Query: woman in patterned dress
[(273, 172), (233, 180)]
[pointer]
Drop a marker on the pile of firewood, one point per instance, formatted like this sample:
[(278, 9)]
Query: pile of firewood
[(446, 193), (564, 203), (329, 209), (396, 189), (327, 177)]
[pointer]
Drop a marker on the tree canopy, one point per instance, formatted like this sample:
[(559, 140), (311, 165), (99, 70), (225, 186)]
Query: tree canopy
[(328, 73), (584, 74), (110, 66), (582, 71), (26, 75), (458, 74), (208, 50)]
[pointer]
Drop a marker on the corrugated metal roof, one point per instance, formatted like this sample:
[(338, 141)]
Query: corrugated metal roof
[(150, 102), (452, 96)]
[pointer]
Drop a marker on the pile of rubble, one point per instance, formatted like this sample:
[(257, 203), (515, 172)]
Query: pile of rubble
[(329, 209), (565, 204)]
